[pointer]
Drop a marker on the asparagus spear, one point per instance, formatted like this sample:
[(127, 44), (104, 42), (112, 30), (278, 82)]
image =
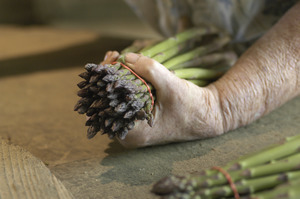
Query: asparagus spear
[(207, 60), (264, 156), (197, 73), (251, 185), (197, 52), (163, 56), (289, 190), (284, 149), (139, 45), (289, 164), (178, 39)]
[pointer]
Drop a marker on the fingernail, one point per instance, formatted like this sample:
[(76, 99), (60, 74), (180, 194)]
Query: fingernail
[(131, 58), (107, 54)]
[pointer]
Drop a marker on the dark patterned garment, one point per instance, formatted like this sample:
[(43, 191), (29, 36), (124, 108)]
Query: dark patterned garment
[(245, 20)]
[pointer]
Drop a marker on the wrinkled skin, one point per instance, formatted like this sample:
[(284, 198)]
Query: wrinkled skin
[(265, 77)]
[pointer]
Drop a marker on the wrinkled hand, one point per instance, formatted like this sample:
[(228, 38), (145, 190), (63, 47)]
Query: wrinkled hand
[(182, 111), (264, 77)]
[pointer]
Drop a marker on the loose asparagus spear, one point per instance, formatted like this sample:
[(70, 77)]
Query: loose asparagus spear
[(289, 164), (251, 185), (289, 190), (286, 148), (264, 156)]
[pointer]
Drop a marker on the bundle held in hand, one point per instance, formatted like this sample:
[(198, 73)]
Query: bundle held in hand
[(114, 98)]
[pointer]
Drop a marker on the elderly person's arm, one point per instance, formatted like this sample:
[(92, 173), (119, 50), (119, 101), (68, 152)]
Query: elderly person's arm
[(265, 77)]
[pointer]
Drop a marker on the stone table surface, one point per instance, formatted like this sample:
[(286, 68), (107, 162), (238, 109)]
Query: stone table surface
[(38, 76)]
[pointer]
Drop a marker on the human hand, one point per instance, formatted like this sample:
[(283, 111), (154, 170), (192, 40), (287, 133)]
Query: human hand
[(182, 111)]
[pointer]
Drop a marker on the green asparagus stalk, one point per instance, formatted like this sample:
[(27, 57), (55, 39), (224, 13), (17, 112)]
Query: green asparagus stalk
[(264, 156), (284, 149), (289, 164), (139, 45), (289, 190), (250, 186), (197, 52), (197, 73), (178, 39), (208, 60)]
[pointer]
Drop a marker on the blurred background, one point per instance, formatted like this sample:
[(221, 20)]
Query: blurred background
[(109, 17), (44, 45), (72, 32)]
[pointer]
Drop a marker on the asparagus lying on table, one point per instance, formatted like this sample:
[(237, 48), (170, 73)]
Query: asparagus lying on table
[(289, 190), (113, 98), (251, 174)]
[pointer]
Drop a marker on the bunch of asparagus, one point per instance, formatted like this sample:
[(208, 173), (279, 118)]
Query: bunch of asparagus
[(113, 98), (269, 174)]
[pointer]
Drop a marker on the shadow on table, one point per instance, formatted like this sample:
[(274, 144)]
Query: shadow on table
[(72, 56), (147, 165)]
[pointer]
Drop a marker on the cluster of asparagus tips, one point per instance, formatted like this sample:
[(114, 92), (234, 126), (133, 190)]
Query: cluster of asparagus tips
[(268, 174), (113, 98)]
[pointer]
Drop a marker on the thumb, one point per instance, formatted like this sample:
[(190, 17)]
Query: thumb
[(148, 68)]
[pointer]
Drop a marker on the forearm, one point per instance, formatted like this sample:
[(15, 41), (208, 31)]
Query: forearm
[(265, 77)]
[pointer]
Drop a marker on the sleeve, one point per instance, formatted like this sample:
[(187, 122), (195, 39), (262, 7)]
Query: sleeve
[(164, 16)]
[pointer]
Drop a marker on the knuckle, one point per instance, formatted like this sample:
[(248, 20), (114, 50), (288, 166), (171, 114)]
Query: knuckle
[(150, 68), (151, 62), (114, 54)]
